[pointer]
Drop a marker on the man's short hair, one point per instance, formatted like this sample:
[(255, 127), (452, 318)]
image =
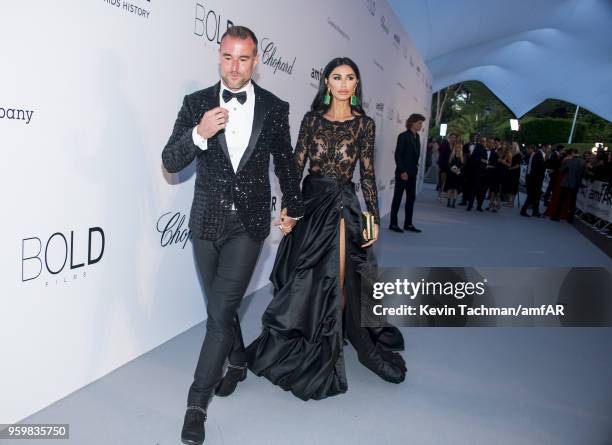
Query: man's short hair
[(240, 32)]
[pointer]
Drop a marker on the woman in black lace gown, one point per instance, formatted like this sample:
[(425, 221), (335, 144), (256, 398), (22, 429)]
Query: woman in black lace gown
[(322, 265)]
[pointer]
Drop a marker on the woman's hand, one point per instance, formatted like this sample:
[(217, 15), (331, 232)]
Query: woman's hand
[(372, 241)]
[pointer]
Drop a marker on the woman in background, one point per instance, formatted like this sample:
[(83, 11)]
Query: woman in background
[(514, 174), (454, 176)]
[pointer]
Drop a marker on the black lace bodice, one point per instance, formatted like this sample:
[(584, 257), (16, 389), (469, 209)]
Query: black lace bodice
[(333, 149)]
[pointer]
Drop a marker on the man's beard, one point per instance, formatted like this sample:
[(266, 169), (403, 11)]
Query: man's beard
[(235, 84)]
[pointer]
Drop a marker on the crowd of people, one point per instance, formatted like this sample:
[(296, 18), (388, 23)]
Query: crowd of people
[(488, 171), (483, 169)]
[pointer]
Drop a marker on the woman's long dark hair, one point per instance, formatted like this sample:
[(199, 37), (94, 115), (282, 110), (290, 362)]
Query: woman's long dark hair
[(318, 104)]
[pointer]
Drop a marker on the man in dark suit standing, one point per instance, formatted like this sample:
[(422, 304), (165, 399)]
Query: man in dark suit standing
[(230, 129), (475, 156), (407, 153), (490, 181), (536, 169)]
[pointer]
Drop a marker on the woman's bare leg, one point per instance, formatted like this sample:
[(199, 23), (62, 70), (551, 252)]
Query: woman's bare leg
[(341, 264)]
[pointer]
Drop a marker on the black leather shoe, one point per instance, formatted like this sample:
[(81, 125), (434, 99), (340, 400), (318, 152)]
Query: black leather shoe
[(228, 383), (524, 214), (395, 228), (193, 426), (411, 228)]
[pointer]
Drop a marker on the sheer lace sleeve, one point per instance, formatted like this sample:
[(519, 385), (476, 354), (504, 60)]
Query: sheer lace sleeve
[(301, 147), (366, 169)]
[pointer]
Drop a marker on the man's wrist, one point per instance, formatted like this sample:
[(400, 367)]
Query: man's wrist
[(199, 141)]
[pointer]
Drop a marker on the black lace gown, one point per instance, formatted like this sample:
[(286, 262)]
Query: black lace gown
[(301, 344)]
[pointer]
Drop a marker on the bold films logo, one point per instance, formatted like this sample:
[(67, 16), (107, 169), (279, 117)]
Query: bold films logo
[(210, 24), (136, 8), (61, 257)]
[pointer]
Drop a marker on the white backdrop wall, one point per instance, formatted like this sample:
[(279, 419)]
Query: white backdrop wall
[(88, 96)]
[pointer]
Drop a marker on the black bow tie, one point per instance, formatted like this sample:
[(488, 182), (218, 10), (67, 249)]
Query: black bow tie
[(240, 97)]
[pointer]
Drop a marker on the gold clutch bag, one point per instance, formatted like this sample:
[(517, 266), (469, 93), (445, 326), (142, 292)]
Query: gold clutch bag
[(367, 220)]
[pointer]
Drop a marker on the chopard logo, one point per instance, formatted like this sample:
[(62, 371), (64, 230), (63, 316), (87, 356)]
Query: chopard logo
[(269, 57), (171, 230)]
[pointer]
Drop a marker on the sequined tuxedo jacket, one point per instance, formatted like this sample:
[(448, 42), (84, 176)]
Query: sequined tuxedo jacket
[(217, 185)]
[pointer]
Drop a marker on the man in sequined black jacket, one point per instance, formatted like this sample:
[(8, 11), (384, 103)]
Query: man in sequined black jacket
[(217, 185), (231, 129)]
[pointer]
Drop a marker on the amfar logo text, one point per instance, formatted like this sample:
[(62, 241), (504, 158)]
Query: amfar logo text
[(210, 24), (316, 74), (60, 252)]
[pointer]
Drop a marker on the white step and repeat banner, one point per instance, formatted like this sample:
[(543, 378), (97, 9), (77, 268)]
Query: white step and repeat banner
[(96, 264), (595, 197)]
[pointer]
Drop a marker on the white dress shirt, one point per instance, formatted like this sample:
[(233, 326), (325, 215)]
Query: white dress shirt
[(239, 125), (238, 128)]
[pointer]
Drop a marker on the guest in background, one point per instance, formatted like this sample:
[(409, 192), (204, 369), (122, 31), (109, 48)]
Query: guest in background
[(454, 177), (571, 170), (491, 178), (514, 174), (553, 162), (444, 152), (431, 172), (407, 152), (504, 163), (474, 155), (535, 177)]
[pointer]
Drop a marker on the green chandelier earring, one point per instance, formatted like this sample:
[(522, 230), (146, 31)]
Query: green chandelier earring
[(327, 98), (353, 100)]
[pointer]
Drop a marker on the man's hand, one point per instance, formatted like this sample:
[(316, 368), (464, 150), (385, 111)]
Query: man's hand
[(285, 223), (404, 176), (212, 122)]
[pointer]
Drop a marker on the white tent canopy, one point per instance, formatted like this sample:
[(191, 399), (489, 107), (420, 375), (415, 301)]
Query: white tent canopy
[(525, 51)]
